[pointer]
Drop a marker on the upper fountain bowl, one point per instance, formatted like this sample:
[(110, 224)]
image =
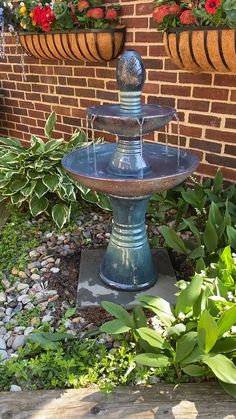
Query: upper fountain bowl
[(114, 119)]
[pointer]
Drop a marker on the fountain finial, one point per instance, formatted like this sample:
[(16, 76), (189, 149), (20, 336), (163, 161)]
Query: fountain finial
[(130, 80)]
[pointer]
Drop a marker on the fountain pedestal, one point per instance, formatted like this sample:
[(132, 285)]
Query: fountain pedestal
[(127, 264)]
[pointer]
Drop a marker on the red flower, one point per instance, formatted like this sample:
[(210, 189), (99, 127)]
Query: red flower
[(83, 5), (160, 12), (211, 6), (97, 13), (174, 9), (111, 14), (36, 14), (43, 16), (187, 18)]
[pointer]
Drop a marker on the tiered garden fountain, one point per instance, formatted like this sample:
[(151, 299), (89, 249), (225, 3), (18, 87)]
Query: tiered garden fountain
[(129, 171)]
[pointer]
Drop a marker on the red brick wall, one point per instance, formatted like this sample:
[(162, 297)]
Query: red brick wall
[(206, 103)]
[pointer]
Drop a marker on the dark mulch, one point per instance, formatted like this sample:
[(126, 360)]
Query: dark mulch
[(66, 283)]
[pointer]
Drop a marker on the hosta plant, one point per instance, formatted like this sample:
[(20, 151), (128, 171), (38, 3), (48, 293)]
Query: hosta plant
[(34, 176), (196, 337), (206, 212)]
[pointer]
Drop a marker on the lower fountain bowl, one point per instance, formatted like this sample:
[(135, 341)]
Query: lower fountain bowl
[(169, 166)]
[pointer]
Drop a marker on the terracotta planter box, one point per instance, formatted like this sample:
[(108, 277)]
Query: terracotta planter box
[(89, 45), (202, 49)]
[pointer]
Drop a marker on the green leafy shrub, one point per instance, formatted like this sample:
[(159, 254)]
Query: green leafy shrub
[(197, 336), (34, 175), (208, 211)]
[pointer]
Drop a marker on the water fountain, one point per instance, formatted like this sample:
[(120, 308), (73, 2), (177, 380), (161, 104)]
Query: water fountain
[(129, 171)]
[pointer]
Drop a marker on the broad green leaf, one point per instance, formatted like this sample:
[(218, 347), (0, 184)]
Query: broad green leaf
[(51, 181), (159, 306), (227, 320), (207, 332), (52, 145), (194, 370), (13, 142), (187, 297), (28, 189), (119, 312), (225, 345), (139, 317), (173, 240), (185, 345), (50, 124), (104, 201), (200, 265), (229, 388), (37, 145), (40, 189), (152, 360), (60, 214), (17, 198), (196, 198), (70, 312), (214, 215), (193, 228), (222, 367), (46, 339), (198, 252), (226, 257), (176, 330), (114, 327), (18, 184), (38, 205), (151, 337), (218, 182), (210, 237), (33, 174), (231, 233), (194, 356)]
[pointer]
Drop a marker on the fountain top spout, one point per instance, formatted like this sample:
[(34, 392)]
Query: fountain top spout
[(130, 72), (130, 80)]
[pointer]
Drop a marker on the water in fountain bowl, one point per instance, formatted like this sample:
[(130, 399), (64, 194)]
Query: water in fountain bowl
[(169, 166)]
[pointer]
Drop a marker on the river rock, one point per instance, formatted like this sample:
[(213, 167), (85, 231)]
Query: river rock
[(3, 297), (14, 387), (18, 342), (2, 343)]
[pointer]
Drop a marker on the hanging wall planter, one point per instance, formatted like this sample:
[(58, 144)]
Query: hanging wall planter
[(88, 45), (202, 48)]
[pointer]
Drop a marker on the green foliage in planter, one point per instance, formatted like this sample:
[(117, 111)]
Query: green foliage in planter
[(197, 336), (34, 175), (208, 211)]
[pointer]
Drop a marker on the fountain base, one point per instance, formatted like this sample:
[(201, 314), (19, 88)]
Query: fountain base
[(127, 264), (92, 290)]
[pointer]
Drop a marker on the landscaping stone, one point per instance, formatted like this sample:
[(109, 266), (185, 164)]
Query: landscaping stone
[(18, 342), (14, 387), (3, 297), (2, 343)]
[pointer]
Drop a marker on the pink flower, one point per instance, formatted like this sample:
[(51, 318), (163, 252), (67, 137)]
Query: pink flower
[(187, 18), (97, 13), (111, 14), (160, 12)]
